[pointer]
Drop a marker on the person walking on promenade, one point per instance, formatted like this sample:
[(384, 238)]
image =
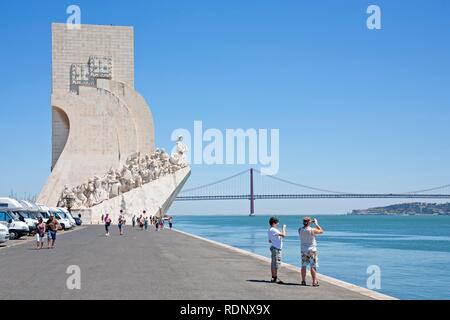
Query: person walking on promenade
[(141, 222), (309, 255), (51, 227), (122, 223), (40, 233), (276, 245), (133, 221), (107, 224), (161, 223), (170, 223), (156, 224), (146, 223), (103, 218)]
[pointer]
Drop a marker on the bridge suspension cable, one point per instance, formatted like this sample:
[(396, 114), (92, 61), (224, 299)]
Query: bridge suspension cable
[(216, 182), (302, 185), (430, 189)]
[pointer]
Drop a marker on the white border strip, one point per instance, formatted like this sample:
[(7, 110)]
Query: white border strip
[(363, 291)]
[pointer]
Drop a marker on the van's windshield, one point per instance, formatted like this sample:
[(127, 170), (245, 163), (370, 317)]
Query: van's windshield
[(27, 214), (62, 214), (56, 214), (15, 215), (34, 215), (6, 215), (45, 214)]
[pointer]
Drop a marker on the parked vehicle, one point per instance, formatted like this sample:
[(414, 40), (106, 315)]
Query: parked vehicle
[(28, 219), (4, 233), (17, 228), (20, 209), (78, 221), (61, 217), (66, 214), (9, 203)]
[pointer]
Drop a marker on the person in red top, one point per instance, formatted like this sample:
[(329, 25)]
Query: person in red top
[(40, 233)]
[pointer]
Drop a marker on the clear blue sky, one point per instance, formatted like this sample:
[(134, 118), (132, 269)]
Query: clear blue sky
[(358, 110)]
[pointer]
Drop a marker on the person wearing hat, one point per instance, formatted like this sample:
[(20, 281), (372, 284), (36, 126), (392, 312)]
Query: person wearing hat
[(309, 257)]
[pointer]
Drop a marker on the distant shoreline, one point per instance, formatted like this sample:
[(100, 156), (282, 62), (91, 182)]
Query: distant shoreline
[(397, 214), (407, 209)]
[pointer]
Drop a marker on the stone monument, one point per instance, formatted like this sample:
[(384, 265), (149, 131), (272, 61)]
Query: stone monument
[(103, 153)]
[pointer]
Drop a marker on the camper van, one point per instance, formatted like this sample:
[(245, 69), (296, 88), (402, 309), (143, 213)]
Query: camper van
[(66, 214), (62, 219), (29, 212), (9, 203), (17, 228), (9, 217)]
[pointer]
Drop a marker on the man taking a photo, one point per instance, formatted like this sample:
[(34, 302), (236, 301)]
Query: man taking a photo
[(309, 249)]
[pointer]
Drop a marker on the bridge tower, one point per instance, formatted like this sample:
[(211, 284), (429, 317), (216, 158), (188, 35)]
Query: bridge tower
[(252, 194)]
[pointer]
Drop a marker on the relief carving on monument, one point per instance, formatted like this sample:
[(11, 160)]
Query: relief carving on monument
[(135, 172)]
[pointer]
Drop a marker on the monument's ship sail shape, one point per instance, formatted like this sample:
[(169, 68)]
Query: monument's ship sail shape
[(101, 123)]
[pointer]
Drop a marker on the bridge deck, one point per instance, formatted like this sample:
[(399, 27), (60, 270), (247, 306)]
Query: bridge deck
[(313, 196), (148, 265)]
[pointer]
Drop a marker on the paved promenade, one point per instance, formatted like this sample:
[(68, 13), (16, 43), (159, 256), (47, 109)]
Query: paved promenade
[(148, 265)]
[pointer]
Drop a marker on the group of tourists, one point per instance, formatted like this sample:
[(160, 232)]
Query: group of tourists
[(50, 228), (143, 222), (308, 250)]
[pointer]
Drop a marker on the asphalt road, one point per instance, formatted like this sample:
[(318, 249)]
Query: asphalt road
[(147, 265)]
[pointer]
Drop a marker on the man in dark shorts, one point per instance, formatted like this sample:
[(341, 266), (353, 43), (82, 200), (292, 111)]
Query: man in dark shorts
[(51, 227)]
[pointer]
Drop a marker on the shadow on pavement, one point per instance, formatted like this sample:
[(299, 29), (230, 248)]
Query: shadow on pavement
[(266, 281)]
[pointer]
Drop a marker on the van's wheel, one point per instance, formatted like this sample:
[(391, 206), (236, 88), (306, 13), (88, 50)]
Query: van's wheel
[(63, 227), (13, 235)]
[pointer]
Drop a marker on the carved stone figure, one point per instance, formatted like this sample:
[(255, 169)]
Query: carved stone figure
[(135, 172), (180, 153), (79, 194)]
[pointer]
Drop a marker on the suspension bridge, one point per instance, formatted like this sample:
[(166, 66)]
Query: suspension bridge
[(252, 185)]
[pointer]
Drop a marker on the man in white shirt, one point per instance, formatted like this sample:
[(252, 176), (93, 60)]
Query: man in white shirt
[(309, 255), (276, 242)]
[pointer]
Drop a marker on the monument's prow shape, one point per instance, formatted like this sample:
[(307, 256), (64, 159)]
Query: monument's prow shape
[(98, 120)]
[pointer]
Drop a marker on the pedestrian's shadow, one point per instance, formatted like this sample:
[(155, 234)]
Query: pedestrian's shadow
[(281, 284)]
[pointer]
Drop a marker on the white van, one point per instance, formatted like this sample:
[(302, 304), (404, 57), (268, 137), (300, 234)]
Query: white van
[(62, 218), (66, 214), (29, 213), (4, 233), (9, 203), (17, 228)]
